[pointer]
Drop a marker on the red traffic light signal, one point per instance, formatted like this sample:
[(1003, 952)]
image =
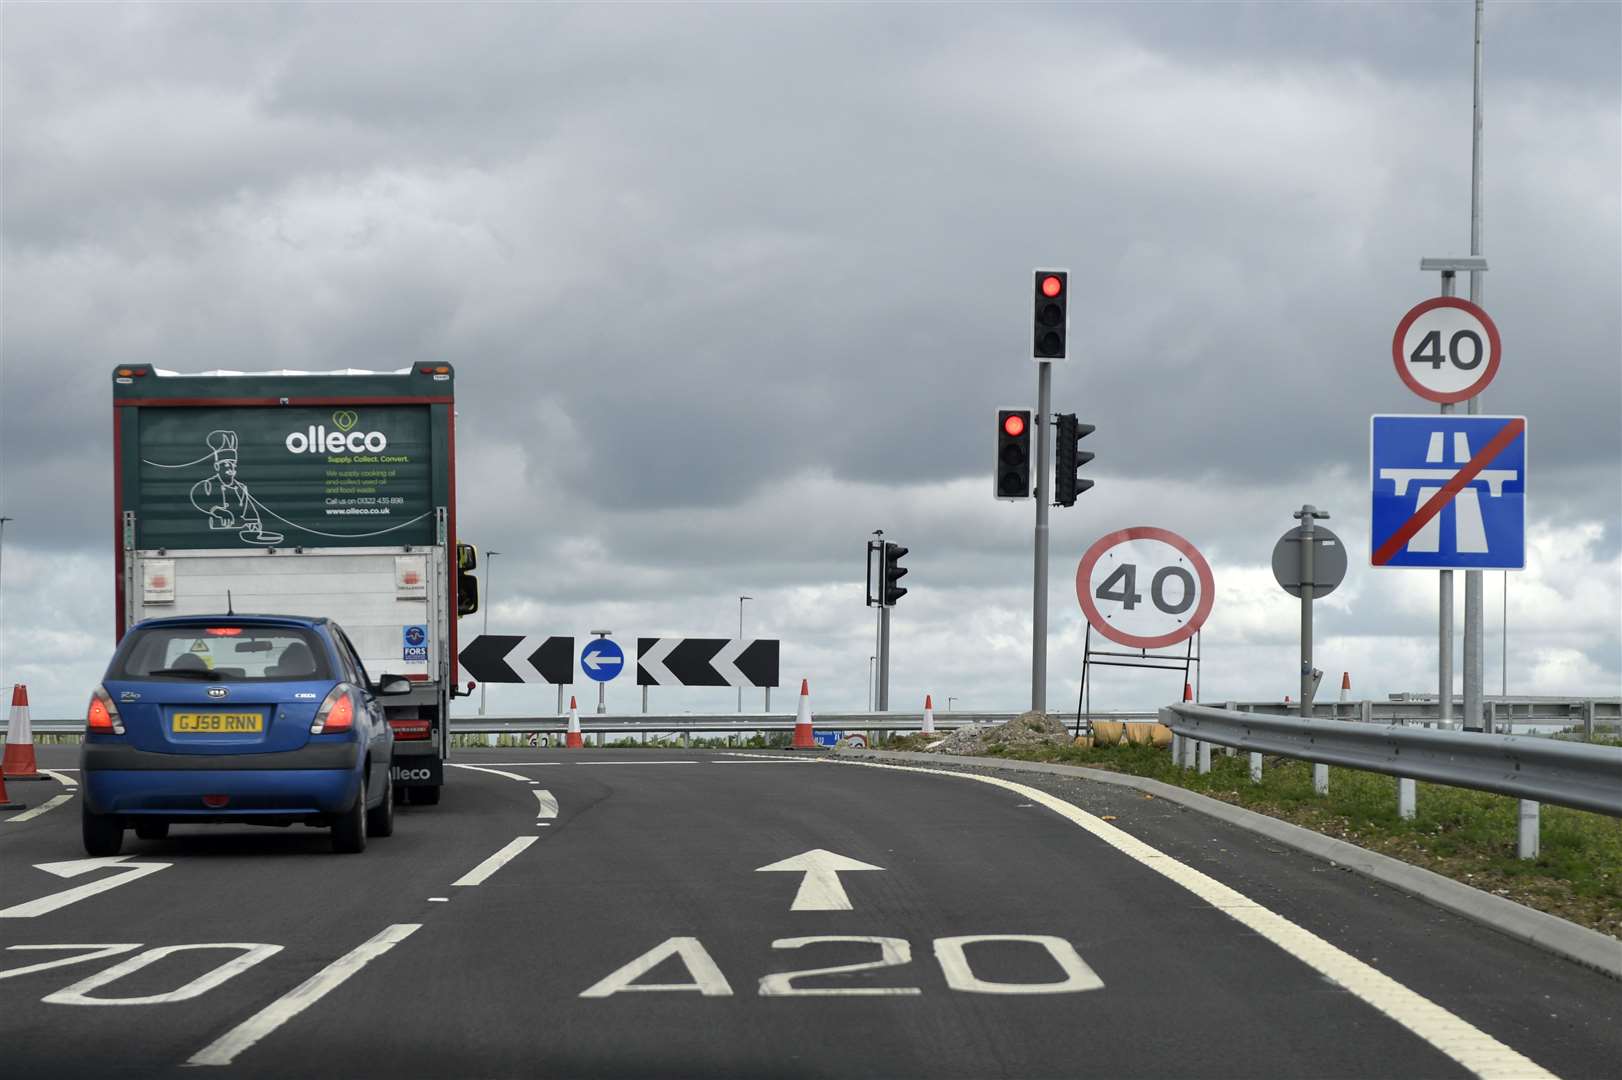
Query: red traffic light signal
[(1013, 424), (1012, 476), (1052, 285), (1051, 320)]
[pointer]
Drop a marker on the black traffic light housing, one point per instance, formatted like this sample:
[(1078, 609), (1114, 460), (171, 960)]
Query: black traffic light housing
[(1051, 322), (1012, 478), (467, 586), (893, 572), (1068, 456)]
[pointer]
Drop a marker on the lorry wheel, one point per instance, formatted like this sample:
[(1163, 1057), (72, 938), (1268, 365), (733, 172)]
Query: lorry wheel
[(151, 830), (349, 827), (103, 833), (380, 820), (425, 796)]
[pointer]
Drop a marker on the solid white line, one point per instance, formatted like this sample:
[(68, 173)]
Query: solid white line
[(65, 781), (496, 861), (1466, 1044), (635, 763), (768, 761), (494, 772), (508, 763), (224, 1050), (49, 804)]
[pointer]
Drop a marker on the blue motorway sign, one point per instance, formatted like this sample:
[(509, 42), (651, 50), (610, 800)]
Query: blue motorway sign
[(601, 659), (826, 738), (1448, 491)]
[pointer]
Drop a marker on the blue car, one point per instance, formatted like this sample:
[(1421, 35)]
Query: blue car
[(260, 719)]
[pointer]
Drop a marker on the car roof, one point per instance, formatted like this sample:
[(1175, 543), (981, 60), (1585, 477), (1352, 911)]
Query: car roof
[(306, 622)]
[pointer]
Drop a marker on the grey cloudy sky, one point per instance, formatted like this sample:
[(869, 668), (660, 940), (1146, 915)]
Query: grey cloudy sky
[(727, 287)]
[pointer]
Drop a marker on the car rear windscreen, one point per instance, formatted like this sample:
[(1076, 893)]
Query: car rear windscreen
[(221, 651)]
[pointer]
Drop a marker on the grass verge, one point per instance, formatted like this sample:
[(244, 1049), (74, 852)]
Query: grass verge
[(1466, 835)]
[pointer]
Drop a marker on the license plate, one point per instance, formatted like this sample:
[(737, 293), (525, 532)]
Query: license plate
[(220, 722)]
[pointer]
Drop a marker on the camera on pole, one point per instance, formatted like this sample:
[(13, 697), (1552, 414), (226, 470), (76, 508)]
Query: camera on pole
[(1052, 315), (1068, 457), (1013, 474), (893, 572)]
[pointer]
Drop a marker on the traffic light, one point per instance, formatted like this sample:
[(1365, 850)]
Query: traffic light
[(1068, 457), (1052, 319), (1013, 475), (467, 586), (893, 572)]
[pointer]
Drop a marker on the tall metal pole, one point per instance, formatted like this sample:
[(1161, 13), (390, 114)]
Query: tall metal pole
[(3, 521), (485, 602), (884, 658), (1444, 618), (872, 666), (1307, 543), (1474, 628), (1039, 597)]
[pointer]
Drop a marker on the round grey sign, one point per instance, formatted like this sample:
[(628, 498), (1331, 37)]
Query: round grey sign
[(1328, 561)]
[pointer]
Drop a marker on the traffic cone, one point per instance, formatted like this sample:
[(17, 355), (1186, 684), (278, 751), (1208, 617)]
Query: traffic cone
[(1346, 686), (19, 763), (803, 739), (573, 740), (929, 715), (1188, 692)]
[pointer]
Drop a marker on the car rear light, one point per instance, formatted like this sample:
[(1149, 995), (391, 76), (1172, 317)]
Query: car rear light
[(103, 715), (214, 802), (408, 730), (337, 713)]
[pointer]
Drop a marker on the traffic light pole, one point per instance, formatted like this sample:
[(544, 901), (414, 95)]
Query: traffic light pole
[(1039, 598), (884, 659)]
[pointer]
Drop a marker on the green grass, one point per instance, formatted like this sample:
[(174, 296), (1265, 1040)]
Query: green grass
[(1467, 835)]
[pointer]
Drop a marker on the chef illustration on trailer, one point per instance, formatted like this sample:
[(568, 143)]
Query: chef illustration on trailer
[(225, 499)]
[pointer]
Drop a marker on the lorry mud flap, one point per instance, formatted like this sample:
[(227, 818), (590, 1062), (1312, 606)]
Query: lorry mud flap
[(417, 770)]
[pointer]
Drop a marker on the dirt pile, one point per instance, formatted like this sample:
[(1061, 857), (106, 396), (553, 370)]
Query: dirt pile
[(1026, 729)]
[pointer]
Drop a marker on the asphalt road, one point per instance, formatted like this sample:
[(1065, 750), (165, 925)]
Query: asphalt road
[(1047, 928)]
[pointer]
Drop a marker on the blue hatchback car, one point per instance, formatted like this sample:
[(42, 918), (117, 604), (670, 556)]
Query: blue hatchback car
[(262, 719)]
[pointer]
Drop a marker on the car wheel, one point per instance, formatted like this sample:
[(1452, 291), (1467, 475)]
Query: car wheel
[(380, 821), (103, 833), (151, 830), (425, 796), (349, 827)]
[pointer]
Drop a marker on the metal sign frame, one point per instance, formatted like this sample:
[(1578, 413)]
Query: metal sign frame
[(1188, 664)]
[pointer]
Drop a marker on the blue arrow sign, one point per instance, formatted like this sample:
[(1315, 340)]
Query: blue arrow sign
[(601, 660), (1448, 492)]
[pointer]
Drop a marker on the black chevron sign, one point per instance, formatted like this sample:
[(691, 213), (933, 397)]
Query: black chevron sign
[(518, 658), (706, 662)]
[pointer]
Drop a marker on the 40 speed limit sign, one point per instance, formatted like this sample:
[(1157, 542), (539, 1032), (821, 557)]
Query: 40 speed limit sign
[(1144, 587), (1446, 349)]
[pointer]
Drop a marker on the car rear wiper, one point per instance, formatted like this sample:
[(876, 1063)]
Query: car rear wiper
[(190, 673)]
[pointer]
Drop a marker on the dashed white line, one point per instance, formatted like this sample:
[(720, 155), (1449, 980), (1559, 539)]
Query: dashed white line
[(494, 772), (1466, 1044), (49, 804), (634, 763), (549, 804), (224, 1050), (495, 862), (57, 775)]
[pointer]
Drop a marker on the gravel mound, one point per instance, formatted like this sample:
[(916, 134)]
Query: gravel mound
[(1026, 729)]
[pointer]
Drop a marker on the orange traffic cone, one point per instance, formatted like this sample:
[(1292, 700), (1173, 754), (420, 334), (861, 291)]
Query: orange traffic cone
[(803, 738), (929, 715), (1188, 692), (5, 800), (19, 763), (572, 740), (1346, 686)]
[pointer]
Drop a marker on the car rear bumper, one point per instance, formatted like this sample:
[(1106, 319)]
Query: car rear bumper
[(96, 756), (249, 792)]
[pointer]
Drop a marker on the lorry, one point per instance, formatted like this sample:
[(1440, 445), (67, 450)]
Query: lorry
[(317, 494)]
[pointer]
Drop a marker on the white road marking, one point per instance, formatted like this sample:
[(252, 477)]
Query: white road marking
[(549, 804), (768, 761), (224, 1050), (495, 862), (634, 763), (707, 977), (57, 775), (97, 952), (73, 868), (510, 763), (49, 804), (439, 899), (893, 952), (1466, 1044), (493, 772), (820, 889), (248, 954), (954, 964)]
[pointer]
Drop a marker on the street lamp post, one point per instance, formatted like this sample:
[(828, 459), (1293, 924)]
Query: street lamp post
[(741, 599), (872, 662), (949, 703), (485, 601), (3, 521)]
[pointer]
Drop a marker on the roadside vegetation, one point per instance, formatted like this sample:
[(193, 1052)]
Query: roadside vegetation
[(1463, 834)]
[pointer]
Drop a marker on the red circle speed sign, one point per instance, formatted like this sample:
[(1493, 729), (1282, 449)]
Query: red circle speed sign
[(1446, 349), (1144, 587)]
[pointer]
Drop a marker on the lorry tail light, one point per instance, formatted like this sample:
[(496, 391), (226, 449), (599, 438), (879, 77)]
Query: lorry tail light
[(103, 715), (410, 730), (337, 713)]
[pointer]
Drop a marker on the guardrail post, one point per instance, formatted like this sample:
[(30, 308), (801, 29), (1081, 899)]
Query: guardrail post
[(1590, 707), (1365, 711), (1177, 749), (1320, 779), (1255, 768), (1205, 758), (1526, 846), (1407, 795)]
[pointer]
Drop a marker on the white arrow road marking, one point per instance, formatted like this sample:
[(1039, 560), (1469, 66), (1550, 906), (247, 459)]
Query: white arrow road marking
[(49, 804), (224, 1050), (595, 660), (653, 662), (549, 804), (494, 772), (73, 868), (725, 662), (495, 862), (821, 889)]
